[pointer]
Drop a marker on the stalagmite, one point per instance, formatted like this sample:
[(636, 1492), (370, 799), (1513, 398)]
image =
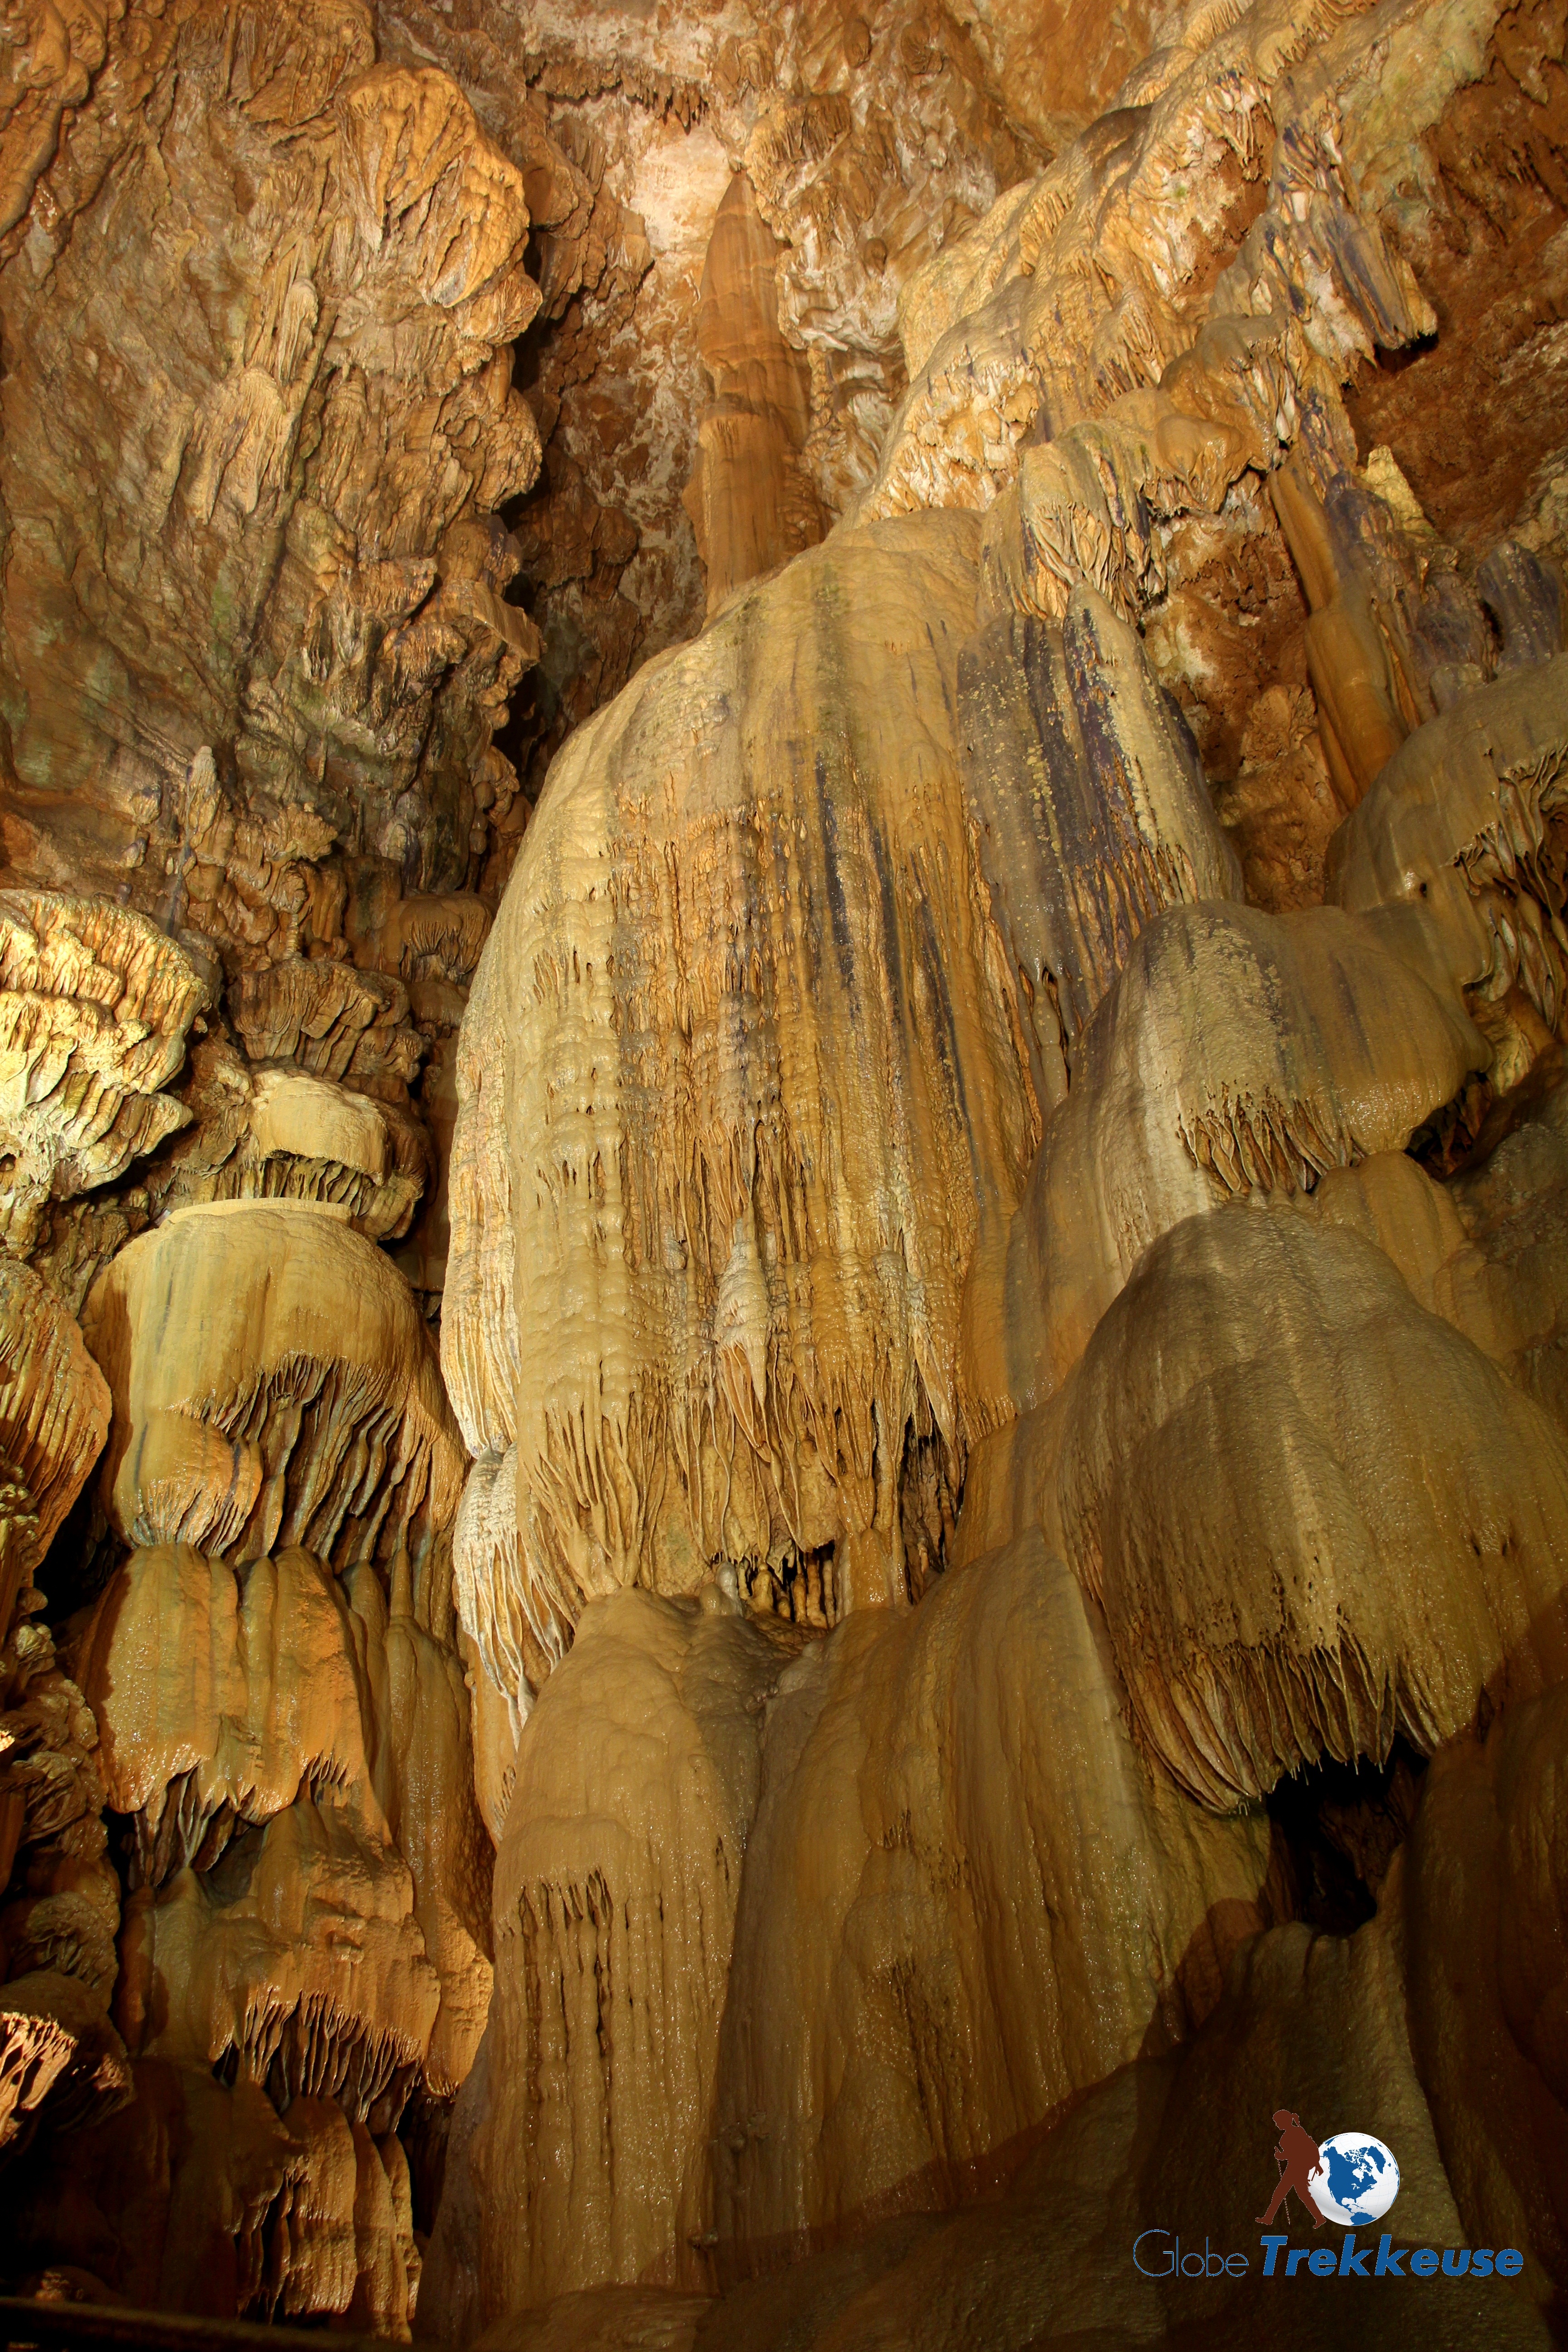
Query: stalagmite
[(1355, 669), (615, 1892), (966, 1899), (750, 502)]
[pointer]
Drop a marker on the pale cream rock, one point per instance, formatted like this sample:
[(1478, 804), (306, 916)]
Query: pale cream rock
[(966, 1898), (755, 1113), (1238, 1053), (286, 1322), (1315, 1515), (310, 1119)]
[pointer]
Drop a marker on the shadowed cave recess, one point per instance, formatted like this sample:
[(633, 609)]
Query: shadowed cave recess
[(783, 1166)]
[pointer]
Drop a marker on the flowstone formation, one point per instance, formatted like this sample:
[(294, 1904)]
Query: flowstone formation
[(261, 287), (783, 1163)]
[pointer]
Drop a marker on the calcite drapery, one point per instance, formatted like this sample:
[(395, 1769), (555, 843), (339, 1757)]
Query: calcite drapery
[(301, 1404), (1092, 811), (95, 1007), (285, 1732), (1227, 1097), (758, 1109), (299, 1428), (1378, 1534), (294, 1136), (1237, 1053)]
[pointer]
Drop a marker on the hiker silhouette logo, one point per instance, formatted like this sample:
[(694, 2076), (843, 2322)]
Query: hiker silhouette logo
[(1350, 2179)]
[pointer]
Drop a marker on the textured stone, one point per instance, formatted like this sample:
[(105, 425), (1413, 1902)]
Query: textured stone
[(740, 1142), (1377, 1542), (985, 1152)]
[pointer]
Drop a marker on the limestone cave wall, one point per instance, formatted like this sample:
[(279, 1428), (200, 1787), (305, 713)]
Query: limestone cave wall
[(784, 1164)]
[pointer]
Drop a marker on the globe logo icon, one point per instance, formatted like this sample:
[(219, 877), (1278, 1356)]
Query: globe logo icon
[(1359, 2180)]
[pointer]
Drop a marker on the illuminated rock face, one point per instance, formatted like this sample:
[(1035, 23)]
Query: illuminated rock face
[(765, 1091), (276, 473), (775, 1513)]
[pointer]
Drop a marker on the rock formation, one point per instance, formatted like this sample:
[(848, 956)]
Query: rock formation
[(759, 1169), (750, 502), (783, 1163)]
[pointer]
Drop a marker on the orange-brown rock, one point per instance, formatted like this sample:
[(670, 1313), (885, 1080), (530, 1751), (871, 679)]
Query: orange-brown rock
[(277, 576), (205, 2199), (1485, 1890), (750, 502)]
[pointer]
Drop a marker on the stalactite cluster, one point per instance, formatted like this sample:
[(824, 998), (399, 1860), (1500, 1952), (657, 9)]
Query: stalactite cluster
[(783, 1163)]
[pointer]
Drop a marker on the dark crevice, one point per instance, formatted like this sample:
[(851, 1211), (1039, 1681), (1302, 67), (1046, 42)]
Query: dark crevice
[(1337, 1827)]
